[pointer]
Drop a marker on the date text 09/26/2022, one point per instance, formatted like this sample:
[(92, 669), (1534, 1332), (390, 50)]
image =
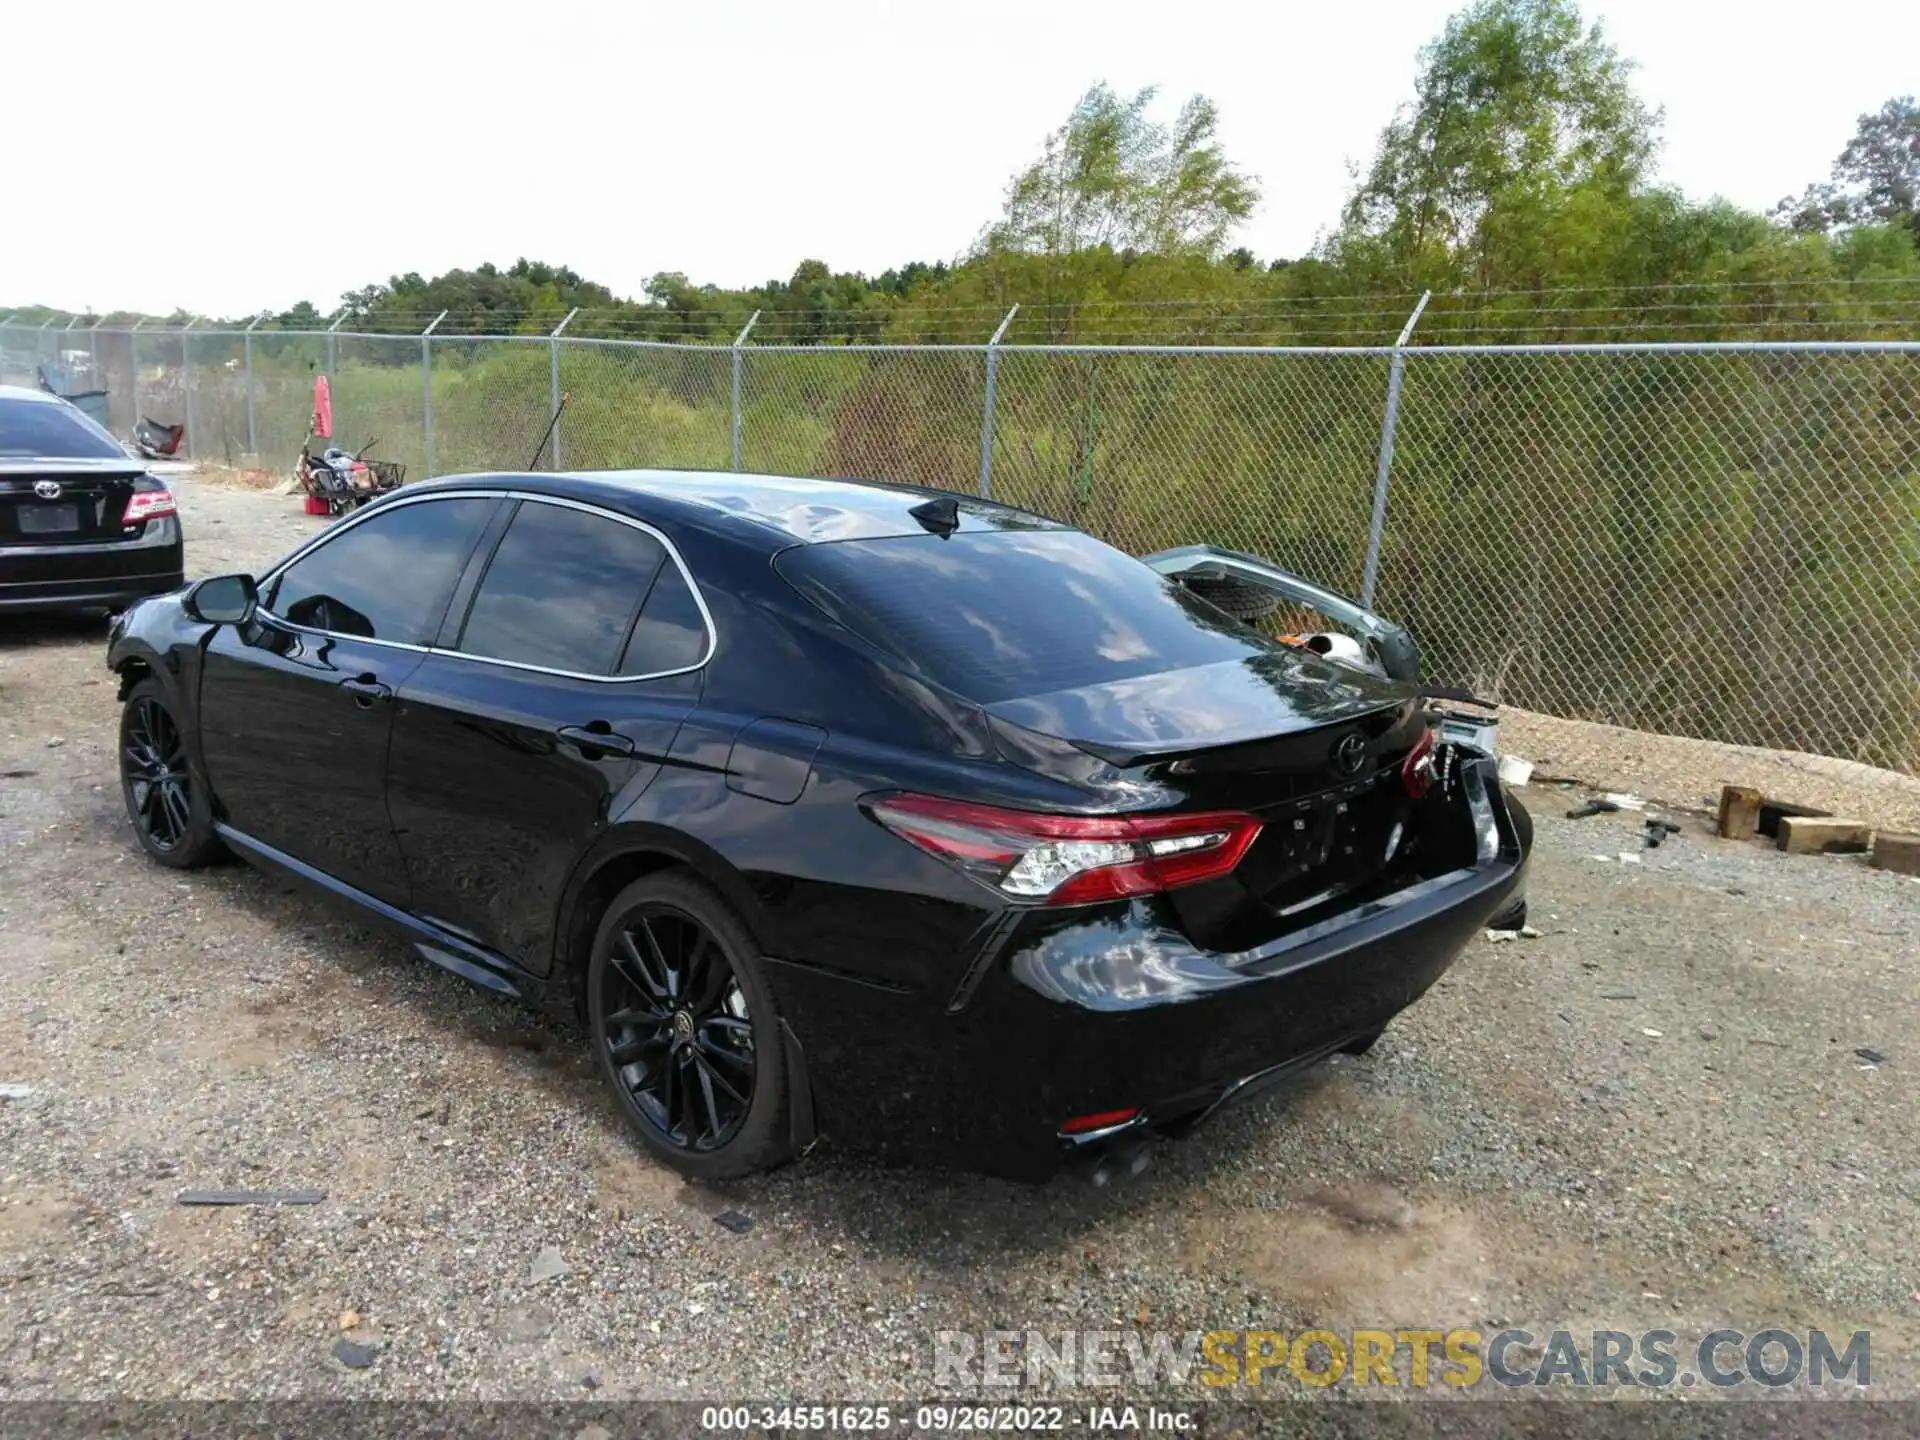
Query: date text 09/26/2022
[(951, 1419)]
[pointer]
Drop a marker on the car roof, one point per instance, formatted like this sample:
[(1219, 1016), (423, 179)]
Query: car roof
[(776, 510), (26, 392)]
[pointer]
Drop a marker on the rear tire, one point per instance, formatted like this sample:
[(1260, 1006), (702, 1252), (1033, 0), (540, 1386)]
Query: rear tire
[(685, 1031)]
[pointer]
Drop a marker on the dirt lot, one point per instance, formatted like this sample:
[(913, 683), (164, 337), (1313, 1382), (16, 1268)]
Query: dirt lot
[(1654, 1115)]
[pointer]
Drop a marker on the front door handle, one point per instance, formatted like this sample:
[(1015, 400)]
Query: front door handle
[(596, 741), (366, 689)]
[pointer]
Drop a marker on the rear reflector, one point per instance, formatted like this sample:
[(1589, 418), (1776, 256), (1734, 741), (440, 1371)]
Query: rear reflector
[(1070, 859), (147, 505), (1099, 1120)]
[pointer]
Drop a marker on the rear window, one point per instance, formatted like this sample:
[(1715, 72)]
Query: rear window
[(46, 430), (998, 614)]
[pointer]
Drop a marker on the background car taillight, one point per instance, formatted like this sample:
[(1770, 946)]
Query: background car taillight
[(1070, 859), (146, 504)]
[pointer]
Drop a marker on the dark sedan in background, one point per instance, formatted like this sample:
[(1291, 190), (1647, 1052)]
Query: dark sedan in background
[(82, 524), (913, 819)]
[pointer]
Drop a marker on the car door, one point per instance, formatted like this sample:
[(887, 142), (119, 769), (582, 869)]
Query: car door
[(567, 662), (296, 706)]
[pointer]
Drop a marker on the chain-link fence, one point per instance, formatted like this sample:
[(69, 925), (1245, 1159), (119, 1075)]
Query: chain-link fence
[(1711, 540)]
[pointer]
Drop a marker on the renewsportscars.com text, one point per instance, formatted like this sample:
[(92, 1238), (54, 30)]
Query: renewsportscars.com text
[(1416, 1358)]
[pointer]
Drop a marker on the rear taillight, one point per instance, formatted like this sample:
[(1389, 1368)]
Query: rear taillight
[(1070, 859), (147, 505), (1416, 771)]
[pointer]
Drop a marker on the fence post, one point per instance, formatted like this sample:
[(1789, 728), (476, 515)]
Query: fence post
[(426, 389), (93, 352), (553, 385), (186, 387), (738, 341), (333, 350), (1376, 531), (246, 349), (986, 410), (133, 360)]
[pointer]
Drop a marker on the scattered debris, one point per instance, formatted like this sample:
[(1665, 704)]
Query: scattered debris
[(733, 1220), (1514, 770), (1772, 812), (1709, 1031), (1618, 995), (1625, 800), (1871, 1056), (349, 1320), (1650, 1034), (15, 1090), (1657, 830), (54, 742), (1595, 806), (1739, 812), (354, 1355), (549, 1264), (535, 1322), (1898, 853), (251, 1197), (1819, 835), (1627, 857)]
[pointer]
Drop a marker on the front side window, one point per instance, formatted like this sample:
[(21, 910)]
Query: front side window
[(563, 590), (386, 578)]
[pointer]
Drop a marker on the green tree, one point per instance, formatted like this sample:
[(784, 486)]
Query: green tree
[(1113, 176), (1524, 134), (1875, 180)]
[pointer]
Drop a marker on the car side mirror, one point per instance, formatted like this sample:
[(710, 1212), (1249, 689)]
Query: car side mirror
[(223, 600)]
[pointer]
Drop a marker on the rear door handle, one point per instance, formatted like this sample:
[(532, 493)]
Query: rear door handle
[(365, 689), (594, 742)]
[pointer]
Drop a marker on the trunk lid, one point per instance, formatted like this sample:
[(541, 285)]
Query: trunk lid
[(65, 502), (1174, 713), (1312, 750)]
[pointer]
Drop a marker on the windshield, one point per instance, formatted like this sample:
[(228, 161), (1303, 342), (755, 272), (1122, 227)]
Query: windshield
[(998, 614), (43, 430)]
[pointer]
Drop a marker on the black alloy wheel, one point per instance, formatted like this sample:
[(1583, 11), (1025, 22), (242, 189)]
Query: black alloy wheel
[(685, 1029), (155, 760), (678, 1029), (165, 799)]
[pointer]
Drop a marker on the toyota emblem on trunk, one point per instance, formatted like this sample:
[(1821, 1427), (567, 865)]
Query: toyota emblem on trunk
[(1349, 754), (47, 489)]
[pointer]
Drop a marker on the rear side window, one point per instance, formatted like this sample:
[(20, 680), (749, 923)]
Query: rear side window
[(45, 429), (562, 590), (671, 633), (387, 577), (999, 614)]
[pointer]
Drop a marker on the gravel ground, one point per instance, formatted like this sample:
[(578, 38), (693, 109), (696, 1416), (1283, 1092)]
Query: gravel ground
[(1651, 1116)]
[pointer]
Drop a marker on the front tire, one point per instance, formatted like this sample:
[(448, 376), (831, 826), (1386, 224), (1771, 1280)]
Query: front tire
[(685, 1031), (166, 797)]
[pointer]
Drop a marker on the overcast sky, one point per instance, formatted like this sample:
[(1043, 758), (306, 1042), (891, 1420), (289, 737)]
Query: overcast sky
[(277, 152)]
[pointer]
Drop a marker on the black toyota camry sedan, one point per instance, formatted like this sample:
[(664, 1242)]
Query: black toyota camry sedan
[(82, 525), (910, 819)]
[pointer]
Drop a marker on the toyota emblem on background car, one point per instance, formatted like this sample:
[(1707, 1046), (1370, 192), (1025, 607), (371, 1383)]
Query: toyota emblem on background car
[(47, 489), (1349, 754)]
